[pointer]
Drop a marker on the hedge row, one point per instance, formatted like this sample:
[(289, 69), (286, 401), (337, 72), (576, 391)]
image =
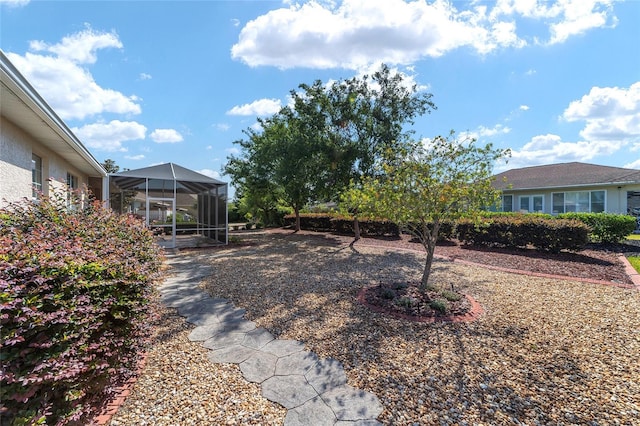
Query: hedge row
[(523, 231), (74, 287), (605, 227), (544, 232), (322, 222)]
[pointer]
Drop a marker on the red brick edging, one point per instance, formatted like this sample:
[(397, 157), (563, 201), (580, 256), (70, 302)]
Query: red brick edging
[(122, 392), (473, 314), (630, 270)]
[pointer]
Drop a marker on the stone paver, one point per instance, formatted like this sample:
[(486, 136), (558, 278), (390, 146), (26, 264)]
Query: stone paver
[(313, 390)]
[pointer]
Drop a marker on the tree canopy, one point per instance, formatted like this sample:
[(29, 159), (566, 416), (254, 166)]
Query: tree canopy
[(329, 137), (423, 185)]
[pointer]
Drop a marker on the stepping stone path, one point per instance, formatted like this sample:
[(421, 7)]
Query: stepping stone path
[(314, 391)]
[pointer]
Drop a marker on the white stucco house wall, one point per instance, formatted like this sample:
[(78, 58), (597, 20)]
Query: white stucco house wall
[(37, 149), (570, 187)]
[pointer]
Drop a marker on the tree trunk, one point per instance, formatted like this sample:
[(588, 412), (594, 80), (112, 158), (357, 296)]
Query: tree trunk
[(429, 239), (297, 211), (356, 228)]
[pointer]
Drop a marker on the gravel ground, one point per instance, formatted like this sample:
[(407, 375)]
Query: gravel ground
[(180, 386), (544, 352)]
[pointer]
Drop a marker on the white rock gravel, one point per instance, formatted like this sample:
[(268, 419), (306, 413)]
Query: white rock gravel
[(544, 352)]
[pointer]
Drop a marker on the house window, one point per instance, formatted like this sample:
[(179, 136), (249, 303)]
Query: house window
[(532, 203), (597, 201), (579, 201), (72, 187), (36, 175), (72, 182), (558, 202), (507, 203)]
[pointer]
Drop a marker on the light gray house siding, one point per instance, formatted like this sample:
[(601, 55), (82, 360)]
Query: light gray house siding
[(15, 162)]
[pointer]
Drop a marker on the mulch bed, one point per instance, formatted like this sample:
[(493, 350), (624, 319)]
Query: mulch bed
[(595, 262)]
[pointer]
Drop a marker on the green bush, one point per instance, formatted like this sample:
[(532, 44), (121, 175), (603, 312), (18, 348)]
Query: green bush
[(340, 224), (605, 227), (524, 230), (74, 287)]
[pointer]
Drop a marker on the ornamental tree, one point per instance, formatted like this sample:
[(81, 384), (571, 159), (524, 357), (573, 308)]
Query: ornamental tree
[(425, 184)]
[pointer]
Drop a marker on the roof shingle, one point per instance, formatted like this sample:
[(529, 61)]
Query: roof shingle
[(565, 175)]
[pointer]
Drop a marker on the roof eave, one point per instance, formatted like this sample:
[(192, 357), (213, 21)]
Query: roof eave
[(38, 105), (581, 185)]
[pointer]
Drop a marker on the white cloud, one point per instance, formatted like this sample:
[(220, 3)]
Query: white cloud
[(110, 136), (134, 157), (233, 150), (610, 113), (355, 33), (145, 76), (261, 107), (579, 16), (549, 148), (66, 85), (565, 18), (166, 136), (483, 132), (14, 3), (524, 108), (81, 47), (633, 164), (223, 127), (211, 173)]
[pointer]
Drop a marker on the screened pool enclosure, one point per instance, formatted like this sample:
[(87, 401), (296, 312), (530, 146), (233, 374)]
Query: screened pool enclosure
[(175, 202)]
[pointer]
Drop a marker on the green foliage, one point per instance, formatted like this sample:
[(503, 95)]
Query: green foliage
[(440, 305), (329, 136), (605, 227), (450, 295), (421, 187), (326, 222), (74, 286), (524, 230), (234, 212)]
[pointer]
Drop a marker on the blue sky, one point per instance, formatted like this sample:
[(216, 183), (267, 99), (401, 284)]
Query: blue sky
[(150, 82)]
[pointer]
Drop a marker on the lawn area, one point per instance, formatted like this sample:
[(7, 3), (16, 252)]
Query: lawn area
[(634, 237), (635, 262), (545, 351)]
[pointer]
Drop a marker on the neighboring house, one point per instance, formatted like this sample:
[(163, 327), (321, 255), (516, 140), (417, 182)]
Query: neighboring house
[(37, 150), (570, 187)]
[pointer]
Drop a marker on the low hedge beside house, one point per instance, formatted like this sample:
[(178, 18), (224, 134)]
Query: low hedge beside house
[(524, 230), (74, 287), (605, 227)]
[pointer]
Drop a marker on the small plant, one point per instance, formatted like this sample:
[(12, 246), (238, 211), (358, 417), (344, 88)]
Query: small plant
[(450, 295), (388, 293), (406, 302), (400, 286), (439, 305), (431, 287), (234, 239)]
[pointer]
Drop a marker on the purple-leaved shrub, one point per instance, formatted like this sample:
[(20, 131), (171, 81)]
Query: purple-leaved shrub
[(74, 290)]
